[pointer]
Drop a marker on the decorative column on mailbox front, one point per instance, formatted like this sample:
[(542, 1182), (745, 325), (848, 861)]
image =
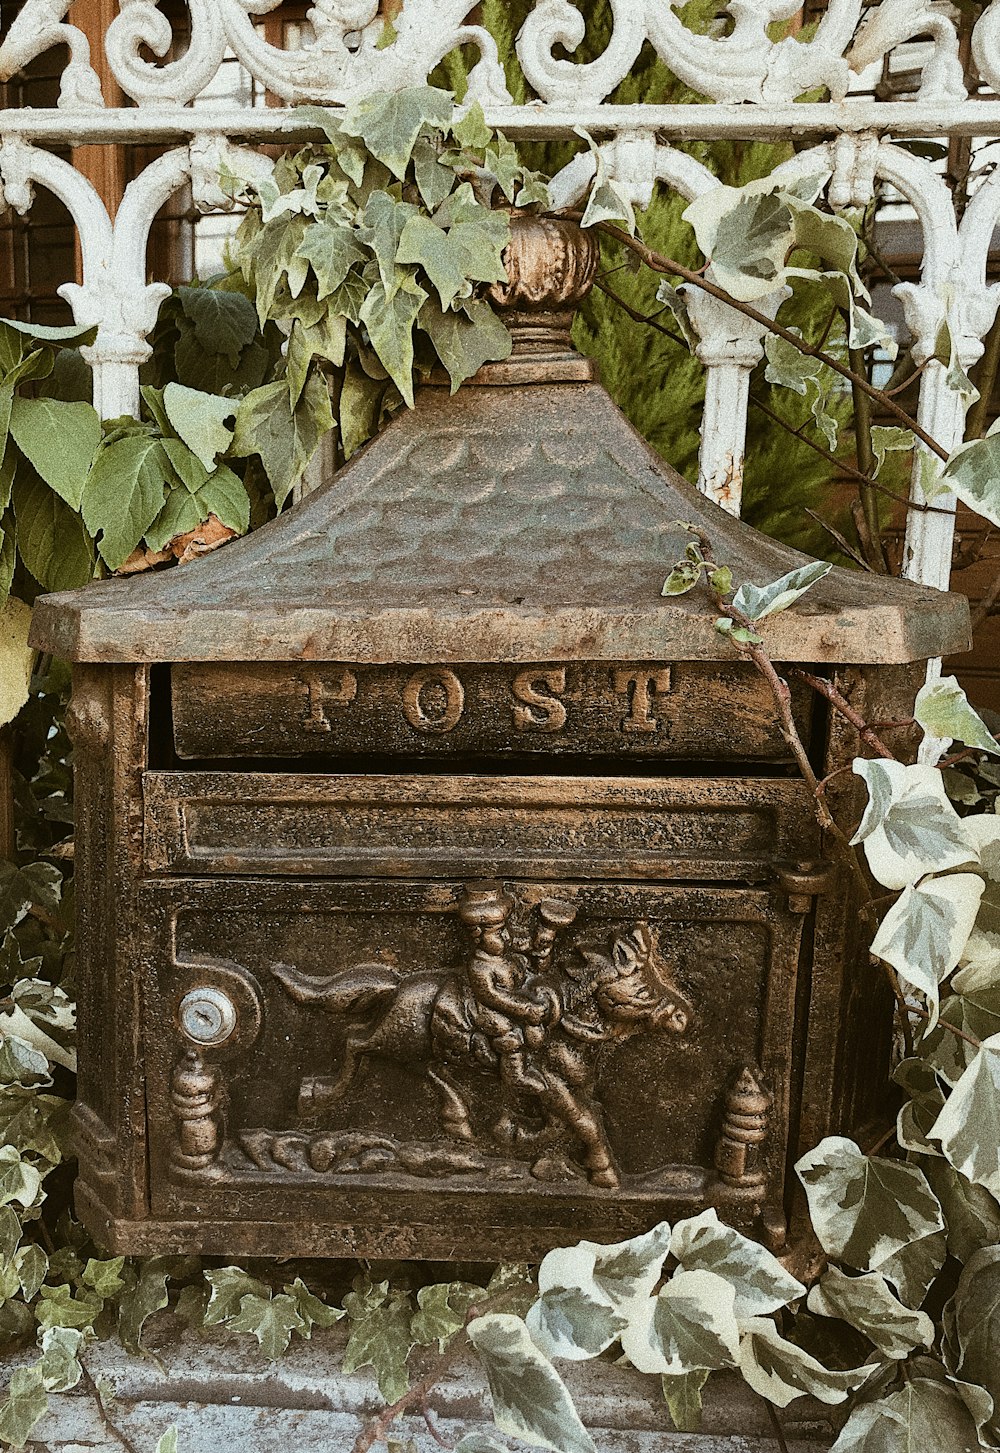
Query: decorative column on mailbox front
[(443, 889)]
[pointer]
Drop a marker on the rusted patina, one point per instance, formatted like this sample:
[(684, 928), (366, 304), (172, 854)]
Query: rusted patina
[(445, 891)]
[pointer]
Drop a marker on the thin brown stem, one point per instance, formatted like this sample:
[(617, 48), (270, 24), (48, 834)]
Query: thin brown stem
[(944, 1024), (840, 704), (661, 264), (779, 1431), (882, 1141), (639, 317), (874, 552), (842, 465), (108, 1422)]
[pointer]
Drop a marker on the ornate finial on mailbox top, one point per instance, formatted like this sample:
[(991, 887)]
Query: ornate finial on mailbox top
[(551, 263)]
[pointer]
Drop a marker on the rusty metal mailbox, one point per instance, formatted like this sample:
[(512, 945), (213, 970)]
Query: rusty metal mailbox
[(445, 891)]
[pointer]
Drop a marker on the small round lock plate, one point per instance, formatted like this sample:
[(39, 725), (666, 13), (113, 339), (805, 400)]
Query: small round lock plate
[(207, 1015)]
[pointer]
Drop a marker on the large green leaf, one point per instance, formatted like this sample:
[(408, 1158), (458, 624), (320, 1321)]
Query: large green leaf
[(759, 1280), (865, 1209), (224, 320), (59, 439), (909, 827), (285, 441), (973, 472), (442, 1311), (682, 1396), (924, 1416), (689, 1327), (530, 1400), (424, 243), (746, 233), (389, 122), (971, 1213), (331, 251), (230, 1284), (968, 1127), (124, 494), (868, 1303), (52, 540), (926, 929), (199, 419), (147, 1295)]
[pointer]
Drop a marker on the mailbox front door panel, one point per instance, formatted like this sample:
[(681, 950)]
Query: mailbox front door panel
[(404, 1060)]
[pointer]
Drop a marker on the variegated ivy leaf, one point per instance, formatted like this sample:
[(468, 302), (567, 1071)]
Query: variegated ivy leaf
[(866, 1209), (909, 827), (868, 1303), (810, 377), (389, 122), (918, 1113), (689, 1327), (914, 1269), (890, 440), (780, 1371), (759, 1280), (573, 1324), (620, 1275), (60, 1362), (760, 601), (25, 1404), (746, 233), (973, 1319), (682, 1396), (943, 710), (19, 1180), (168, 1442), (530, 1400), (968, 1127), (924, 1416), (923, 934), (973, 472), (972, 1214)]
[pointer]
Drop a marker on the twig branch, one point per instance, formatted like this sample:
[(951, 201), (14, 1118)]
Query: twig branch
[(110, 1426), (944, 1024), (779, 1431), (659, 263), (874, 549), (840, 703)]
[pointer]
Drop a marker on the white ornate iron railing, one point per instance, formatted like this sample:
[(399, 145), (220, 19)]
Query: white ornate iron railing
[(751, 83)]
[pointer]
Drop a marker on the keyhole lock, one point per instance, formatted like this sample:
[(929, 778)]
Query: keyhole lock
[(207, 1016)]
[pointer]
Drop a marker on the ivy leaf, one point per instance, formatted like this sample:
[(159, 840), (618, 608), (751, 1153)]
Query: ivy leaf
[(389, 320), (968, 1127), (925, 1415), (124, 494), (58, 1307), (434, 180), (16, 657), (530, 1400), (746, 234), (272, 1320), (621, 1275), (760, 601), (25, 1405), (927, 928), (909, 827), (230, 1284), (199, 419), (690, 1326), (104, 1277), (466, 339), (32, 1266), (147, 1295), (682, 1395), (168, 1442), (380, 1337), (285, 441), (312, 1311), (331, 252), (684, 577), (442, 1311), (572, 1324), (866, 1209), (389, 122), (760, 1282), (943, 711), (60, 1364), (37, 884), (424, 243), (973, 472), (868, 1303), (470, 129), (780, 1371), (60, 440), (51, 539), (973, 1316), (20, 1064), (971, 1213)]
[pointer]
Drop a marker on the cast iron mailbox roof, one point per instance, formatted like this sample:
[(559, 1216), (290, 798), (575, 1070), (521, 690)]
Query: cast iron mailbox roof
[(518, 521)]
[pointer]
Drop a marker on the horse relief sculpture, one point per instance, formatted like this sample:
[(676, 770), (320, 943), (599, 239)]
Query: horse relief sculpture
[(510, 1040)]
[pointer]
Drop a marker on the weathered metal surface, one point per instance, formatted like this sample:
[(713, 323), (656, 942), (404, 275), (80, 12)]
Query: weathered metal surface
[(380, 825), (439, 544), (617, 709)]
